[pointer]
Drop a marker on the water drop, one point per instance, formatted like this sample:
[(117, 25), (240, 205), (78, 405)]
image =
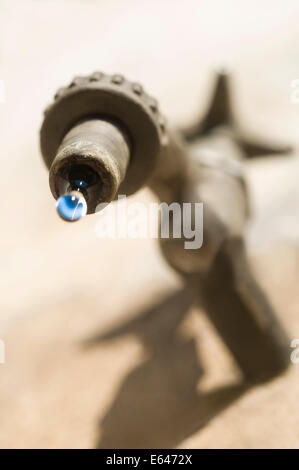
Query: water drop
[(82, 176), (79, 184), (71, 206)]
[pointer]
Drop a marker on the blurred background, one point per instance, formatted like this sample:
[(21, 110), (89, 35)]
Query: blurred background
[(103, 347)]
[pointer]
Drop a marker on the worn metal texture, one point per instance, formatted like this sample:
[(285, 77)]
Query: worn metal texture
[(100, 145), (112, 98)]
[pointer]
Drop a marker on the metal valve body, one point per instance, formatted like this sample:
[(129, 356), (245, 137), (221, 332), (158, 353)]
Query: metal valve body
[(104, 136)]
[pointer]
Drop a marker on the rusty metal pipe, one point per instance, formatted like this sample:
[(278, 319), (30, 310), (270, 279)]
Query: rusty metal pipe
[(100, 146)]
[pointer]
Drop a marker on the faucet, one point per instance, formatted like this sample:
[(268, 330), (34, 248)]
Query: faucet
[(104, 136)]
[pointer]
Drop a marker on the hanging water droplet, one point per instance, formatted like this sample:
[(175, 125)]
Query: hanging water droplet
[(71, 206), (79, 184)]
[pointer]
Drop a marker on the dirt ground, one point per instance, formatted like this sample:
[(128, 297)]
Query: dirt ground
[(104, 347)]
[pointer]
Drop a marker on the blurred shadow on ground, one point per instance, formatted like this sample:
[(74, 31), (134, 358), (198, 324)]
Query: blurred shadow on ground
[(157, 404)]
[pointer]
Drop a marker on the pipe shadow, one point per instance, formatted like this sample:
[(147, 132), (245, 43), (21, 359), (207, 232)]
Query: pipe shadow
[(158, 404)]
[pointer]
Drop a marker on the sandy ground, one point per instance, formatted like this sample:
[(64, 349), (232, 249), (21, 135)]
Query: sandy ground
[(103, 347)]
